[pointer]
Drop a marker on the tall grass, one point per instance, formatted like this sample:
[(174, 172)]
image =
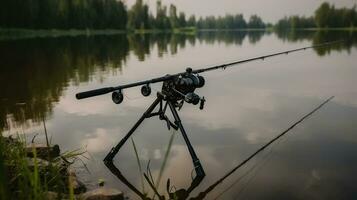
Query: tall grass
[(27, 178), (168, 150), (139, 165), (148, 176), (3, 177), (21, 179)]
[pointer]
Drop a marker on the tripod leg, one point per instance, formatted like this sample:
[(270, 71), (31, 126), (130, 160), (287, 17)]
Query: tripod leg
[(115, 150), (108, 160), (200, 173)]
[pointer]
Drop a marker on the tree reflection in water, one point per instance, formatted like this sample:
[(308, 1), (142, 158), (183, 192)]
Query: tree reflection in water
[(37, 71)]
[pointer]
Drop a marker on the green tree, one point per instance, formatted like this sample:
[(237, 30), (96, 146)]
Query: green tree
[(239, 22), (191, 21), (139, 16), (173, 16), (255, 22), (322, 15), (182, 19), (162, 21)]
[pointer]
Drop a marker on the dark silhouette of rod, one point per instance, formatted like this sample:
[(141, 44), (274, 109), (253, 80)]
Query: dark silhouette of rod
[(223, 66), (106, 90), (203, 194)]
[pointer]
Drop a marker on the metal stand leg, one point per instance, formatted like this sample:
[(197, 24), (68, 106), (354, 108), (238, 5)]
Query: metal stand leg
[(115, 150), (108, 160), (200, 173)]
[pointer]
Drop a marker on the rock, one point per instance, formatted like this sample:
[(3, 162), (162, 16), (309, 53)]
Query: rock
[(43, 151), (103, 194), (51, 195), (10, 140), (78, 186), (41, 164), (101, 182)]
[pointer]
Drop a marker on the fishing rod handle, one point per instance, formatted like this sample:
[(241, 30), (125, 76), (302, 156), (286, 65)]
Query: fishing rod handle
[(92, 93)]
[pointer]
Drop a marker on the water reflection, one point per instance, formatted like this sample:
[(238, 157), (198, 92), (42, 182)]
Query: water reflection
[(318, 37), (36, 72), (41, 76), (43, 68)]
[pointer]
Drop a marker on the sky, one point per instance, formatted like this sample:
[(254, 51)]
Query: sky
[(269, 10)]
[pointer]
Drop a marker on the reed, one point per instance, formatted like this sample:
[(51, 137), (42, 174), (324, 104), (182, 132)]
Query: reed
[(27, 178)]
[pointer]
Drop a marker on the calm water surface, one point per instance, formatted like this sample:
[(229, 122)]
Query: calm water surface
[(246, 106)]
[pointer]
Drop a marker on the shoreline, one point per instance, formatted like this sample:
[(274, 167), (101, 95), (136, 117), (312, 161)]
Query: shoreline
[(17, 33)]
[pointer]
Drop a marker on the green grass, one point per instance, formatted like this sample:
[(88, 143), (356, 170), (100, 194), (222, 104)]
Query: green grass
[(17, 33), (11, 34), (333, 29), (19, 180), (139, 165), (185, 30), (320, 29), (167, 153), (154, 185)]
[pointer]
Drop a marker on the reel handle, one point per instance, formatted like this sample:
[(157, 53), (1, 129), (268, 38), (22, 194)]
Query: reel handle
[(202, 103)]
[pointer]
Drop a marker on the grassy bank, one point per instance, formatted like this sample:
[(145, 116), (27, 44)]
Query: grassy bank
[(13, 34), (351, 29), (332, 29), (26, 174), (10, 34)]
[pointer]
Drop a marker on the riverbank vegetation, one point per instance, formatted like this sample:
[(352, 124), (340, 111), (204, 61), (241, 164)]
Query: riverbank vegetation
[(326, 17), (37, 171), (27, 177), (91, 17)]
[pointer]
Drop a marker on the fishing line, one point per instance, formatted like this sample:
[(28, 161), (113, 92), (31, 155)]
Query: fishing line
[(243, 163), (267, 159), (240, 178), (256, 166)]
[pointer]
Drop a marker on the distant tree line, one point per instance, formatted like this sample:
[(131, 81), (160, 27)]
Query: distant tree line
[(113, 14), (329, 16), (326, 16), (170, 18), (63, 14), (109, 14), (295, 22), (230, 22)]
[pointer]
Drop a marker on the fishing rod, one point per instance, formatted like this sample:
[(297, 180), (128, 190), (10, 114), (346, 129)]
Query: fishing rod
[(106, 90), (176, 90)]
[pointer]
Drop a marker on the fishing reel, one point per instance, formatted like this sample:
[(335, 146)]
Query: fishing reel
[(178, 89), (182, 88)]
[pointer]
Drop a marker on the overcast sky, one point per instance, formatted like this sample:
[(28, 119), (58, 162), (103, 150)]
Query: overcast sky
[(269, 10)]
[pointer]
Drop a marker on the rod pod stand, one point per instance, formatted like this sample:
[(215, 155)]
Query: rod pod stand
[(177, 124)]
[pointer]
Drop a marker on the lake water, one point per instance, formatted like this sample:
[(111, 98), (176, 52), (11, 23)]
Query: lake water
[(246, 106)]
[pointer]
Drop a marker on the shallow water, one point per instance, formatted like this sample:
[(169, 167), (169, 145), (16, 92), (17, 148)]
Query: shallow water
[(246, 106)]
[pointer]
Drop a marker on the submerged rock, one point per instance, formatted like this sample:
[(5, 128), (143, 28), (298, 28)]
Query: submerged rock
[(51, 195), (43, 151), (78, 186), (41, 164), (103, 194)]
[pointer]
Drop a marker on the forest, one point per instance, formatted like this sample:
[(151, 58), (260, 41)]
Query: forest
[(326, 16), (113, 14)]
